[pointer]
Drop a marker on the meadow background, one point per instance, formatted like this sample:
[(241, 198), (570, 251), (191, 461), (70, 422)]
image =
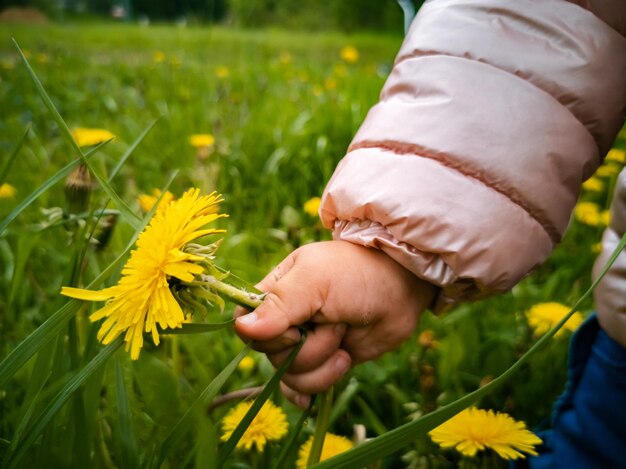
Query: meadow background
[(282, 106)]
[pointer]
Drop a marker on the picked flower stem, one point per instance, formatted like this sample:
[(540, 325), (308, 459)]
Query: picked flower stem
[(240, 296)]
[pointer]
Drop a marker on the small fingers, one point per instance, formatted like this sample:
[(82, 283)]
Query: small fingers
[(321, 342), (322, 377), (279, 345), (299, 399)]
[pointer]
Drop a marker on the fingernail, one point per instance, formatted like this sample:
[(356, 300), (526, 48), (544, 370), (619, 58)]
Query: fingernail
[(247, 319), (342, 364)]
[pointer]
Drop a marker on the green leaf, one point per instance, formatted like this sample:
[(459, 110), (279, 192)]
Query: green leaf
[(132, 218), (131, 149), (182, 427), (289, 445), (59, 400)]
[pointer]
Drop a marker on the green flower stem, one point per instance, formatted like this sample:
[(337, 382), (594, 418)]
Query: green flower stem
[(321, 426), (239, 296)]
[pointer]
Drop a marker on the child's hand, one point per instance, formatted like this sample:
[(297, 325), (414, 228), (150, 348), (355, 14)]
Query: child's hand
[(358, 303)]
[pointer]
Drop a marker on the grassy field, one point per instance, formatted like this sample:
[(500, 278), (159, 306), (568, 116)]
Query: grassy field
[(282, 108)]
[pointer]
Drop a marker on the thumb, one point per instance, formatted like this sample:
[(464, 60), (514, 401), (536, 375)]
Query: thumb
[(292, 299)]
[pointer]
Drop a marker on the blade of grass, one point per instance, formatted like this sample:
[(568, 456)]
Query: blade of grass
[(125, 435), (267, 391), (59, 401), (53, 325), (60, 175), (179, 431), (198, 328), (400, 437), (292, 439), (9, 162), (132, 148), (321, 426), (132, 218)]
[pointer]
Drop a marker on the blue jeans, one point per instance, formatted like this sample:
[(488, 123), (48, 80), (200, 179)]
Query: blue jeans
[(589, 419)]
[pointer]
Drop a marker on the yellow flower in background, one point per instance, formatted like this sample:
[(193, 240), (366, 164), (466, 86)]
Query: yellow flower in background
[(285, 58), (158, 57), (593, 184), (312, 206), (330, 84), (607, 170), (318, 90), (596, 248), (427, 339), (222, 72), (270, 424), (340, 70), (333, 445), (85, 137), (246, 364), (544, 316), (605, 217), (588, 213), (142, 299), (201, 140), (7, 191), (7, 64), (42, 58), (616, 155), (146, 202), (349, 54), (474, 430)]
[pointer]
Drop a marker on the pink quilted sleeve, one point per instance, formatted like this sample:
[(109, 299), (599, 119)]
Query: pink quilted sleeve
[(495, 112)]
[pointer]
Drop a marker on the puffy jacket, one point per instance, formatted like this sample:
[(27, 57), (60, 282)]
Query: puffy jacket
[(495, 112)]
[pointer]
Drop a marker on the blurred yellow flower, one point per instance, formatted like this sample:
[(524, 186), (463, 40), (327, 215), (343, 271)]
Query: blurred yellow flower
[(175, 62), (146, 202), (605, 217), (544, 316), (158, 57), (340, 70), (270, 424), (607, 170), (7, 64), (330, 84), (349, 54), (588, 213), (616, 155), (201, 140), (42, 58), (596, 248), (222, 72), (85, 137), (246, 364), (7, 191), (318, 90), (427, 339), (593, 184), (312, 206), (474, 430), (142, 299), (285, 58), (333, 445)]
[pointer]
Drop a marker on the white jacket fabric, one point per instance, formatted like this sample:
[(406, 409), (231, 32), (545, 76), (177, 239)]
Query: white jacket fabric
[(495, 112)]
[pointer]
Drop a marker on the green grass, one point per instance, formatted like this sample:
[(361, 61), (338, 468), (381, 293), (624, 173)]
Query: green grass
[(282, 119)]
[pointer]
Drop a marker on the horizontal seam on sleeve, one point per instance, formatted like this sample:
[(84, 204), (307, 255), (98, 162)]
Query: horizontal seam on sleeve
[(402, 148)]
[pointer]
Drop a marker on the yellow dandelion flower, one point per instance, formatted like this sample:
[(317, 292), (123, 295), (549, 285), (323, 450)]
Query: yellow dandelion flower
[(285, 58), (330, 84), (333, 445), (474, 430), (607, 170), (593, 184), (246, 364), (349, 54), (312, 206), (201, 140), (270, 424), (158, 57), (596, 248), (85, 137), (222, 72), (146, 202), (588, 213), (142, 298), (427, 339), (7, 191), (616, 155), (544, 316)]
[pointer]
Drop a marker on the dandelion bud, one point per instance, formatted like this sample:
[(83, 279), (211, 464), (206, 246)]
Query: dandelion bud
[(78, 187), (105, 229)]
